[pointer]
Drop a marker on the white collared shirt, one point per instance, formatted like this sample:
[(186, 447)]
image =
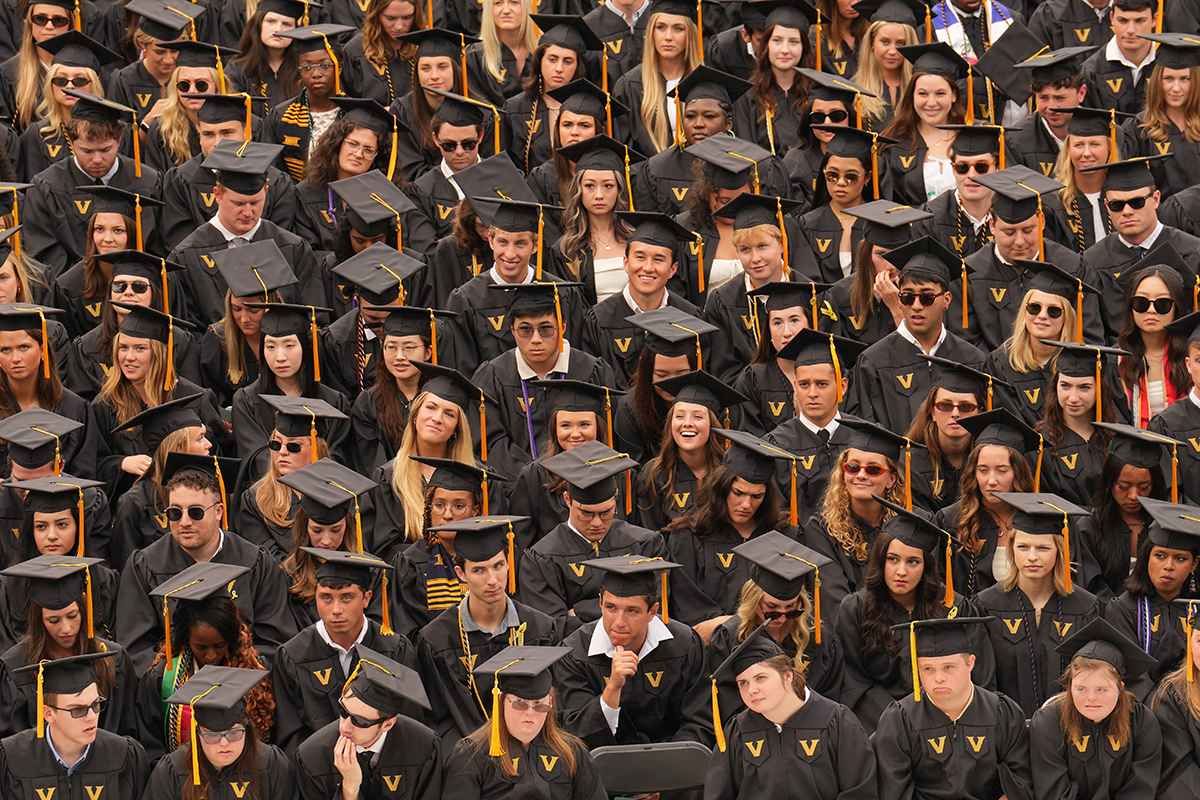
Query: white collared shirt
[(657, 632), (343, 653), (450, 177), (1113, 53), (1148, 242), (1046, 126), (1195, 398), (637, 15), (633, 303), (527, 373), (812, 426), (376, 747), (903, 330), (495, 275), (230, 235), (976, 223), (106, 177)]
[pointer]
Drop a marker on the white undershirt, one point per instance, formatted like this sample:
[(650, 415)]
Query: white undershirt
[(939, 176), (723, 271), (1097, 214), (611, 277)]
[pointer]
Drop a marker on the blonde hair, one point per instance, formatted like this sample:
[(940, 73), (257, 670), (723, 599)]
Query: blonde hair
[(176, 441), (835, 508), (407, 482), (870, 77), (233, 340), (174, 125), (119, 393), (1064, 173), (654, 87), (1019, 347), (1060, 563), (747, 237), (491, 37), (1178, 684), (27, 271), (274, 498), (799, 629), (50, 110), (29, 68), (1156, 124)]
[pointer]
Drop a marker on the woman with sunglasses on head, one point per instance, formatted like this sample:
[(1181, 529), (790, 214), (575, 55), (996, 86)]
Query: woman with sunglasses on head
[(379, 64), (557, 765), (958, 392), (267, 66), (768, 114), (829, 107), (144, 82), (1025, 361), (501, 59), (1155, 374), (173, 136), (844, 182)]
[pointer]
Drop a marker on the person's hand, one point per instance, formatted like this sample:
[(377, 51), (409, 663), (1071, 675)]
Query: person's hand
[(136, 465), (706, 628), (624, 665), (155, 110), (889, 292), (345, 758), (571, 612)]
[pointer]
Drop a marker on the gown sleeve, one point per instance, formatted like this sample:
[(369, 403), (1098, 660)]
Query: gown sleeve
[(1180, 777), (1048, 759)]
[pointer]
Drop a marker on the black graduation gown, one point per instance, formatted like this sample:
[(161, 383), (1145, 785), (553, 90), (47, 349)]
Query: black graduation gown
[(261, 595), (134, 86), (371, 448), (471, 774), (624, 44), (608, 335), (385, 85), (1027, 665), (1180, 777), (205, 287), (322, 208), (435, 196), (873, 680), (1184, 171), (1068, 23), (483, 85), (815, 460), (157, 154), (844, 576), (288, 124), (728, 52), (1110, 84), (1093, 579), (257, 529), (253, 420), (870, 330), (1028, 395), (1163, 638), (55, 214), (803, 165), (972, 571), (339, 348), (554, 577), (1094, 766), (844, 65), (678, 499), (902, 172), (750, 122), (173, 772), (709, 583), (451, 267), (214, 364), (29, 769), (771, 395), (630, 436), (630, 129), (933, 490), (307, 679), (760, 761), (188, 191), (663, 181), (39, 152), (78, 448), (268, 87), (824, 233), (892, 378), (413, 153), (97, 520), (416, 580), (83, 312), (920, 752), (460, 703), (951, 227), (527, 131), (1181, 420), (87, 367), (1033, 144), (1075, 228), (138, 521), (651, 701), (1182, 210), (543, 182), (411, 760), (117, 715), (1071, 469)]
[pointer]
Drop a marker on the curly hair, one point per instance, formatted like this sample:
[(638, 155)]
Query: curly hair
[(839, 517), (321, 169), (750, 617), (877, 599)]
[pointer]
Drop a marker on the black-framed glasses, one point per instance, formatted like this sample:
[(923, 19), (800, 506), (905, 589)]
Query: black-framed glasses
[(62, 83), (292, 447), (821, 118), (468, 146), (980, 167), (524, 705), (927, 298), (324, 66), (79, 712), (874, 470), (1136, 203), (139, 287), (187, 87), (175, 513), (1053, 312), (545, 330), (233, 735), (356, 720), (42, 20), (947, 407), (795, 613), (1161, 306)]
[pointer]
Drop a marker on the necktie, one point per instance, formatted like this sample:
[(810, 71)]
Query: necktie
[(1139, 252), (823, 435), (238, 241)]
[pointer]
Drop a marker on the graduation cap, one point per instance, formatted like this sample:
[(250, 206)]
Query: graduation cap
[(603, 153), (749, 210), (977, 140), (1144, 449), (590, 471), (456, 476), (1188, 325), (14, 190), (223, 470), (28, 317), (1048, 66), (809, 347), (296, 417), (673, 333), (483, 538), (782, 295), (1055, 280), (70, 675), (937, 638), (412, 321), (469, 109), (494, 177), (290, 319), (1127, 175), (327, 492), (202, 55), (255, 269), (567, 31), (1175, 50), (241, 167), (780, 566), (220, 108), (339, 567), (704, 82), (634, 575), (384, 684), (1044, 514), (434, 42), (676, 8), (1003, 428), (829, 87), (519, 670), (315, 38), (580, 396), (903, 12), (92, 108), (1018, 195), (872, 438), (34, 437), (849, 142), (142, 264), (585, 98), (753, 460), (1094, 122), (454, 387), (1099, 640), (655, 228), (915, 529), (927, 257), (198, 582), (164, 21), (216, 698), (936, 58), (1012, 47), (959, 378), (538, 297), (160, 421), (519, 216), (702, 389), (1161, 255), (379, 272), (728, 162), (296, 9), (373, 204), (1084, 361), (796, 14), (888, 224), (74, 49), (113, 200), (753, 650), (57, 581), (1176, 526), (143, 322)]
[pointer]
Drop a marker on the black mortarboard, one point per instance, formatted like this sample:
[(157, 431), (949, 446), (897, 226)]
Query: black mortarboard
[(780, 565), (70, 675), (915, 529), (1140, 448), (296, 417), (1017, 192), (1176, 526), (374, 205), (782, 295), (751, 458), (1128, 175), (673, 333), (113, 200), (677, 8), (200, 581), (704, 82), (523, 671), (289, 319), (513, 216), (143, 322), (484, 538), (810, 347), (223, 470), (455, 476), (850, 142), (753, 650), (494, 177), (200, 54), (585, 98), (937, 58), (1016, 44), (975, 140), (905, 12), (1094, 122), (829, 87), (451, 386), (141, 264), (254, 270), (937, 638), (1162, 254), (888, 224), (242, 167), (384, 684), (341, 567), (220, 108), (601, 152), (217, 695), (535, 298), (1044, 514), (164, 21), (1081, 360), (1099, 640), (1053, 279), (655, 228), (462, 112), (296, 9), (1188, 325), (927, 256), (959, 378), (160, 421), (435, 42), (329, 492), (797, 14), (380, 273), (55, 581), (34, 437), (749, 210), (729, 162), (569, 395), (1175, 50), (25, 316), (590, 471), (571, 32), (54, 494), (97, 109), (413, 321), (315, 38), (74, 49), (1003, 428), (634, 575), (702, 389), (872, 438), (1051, 66)]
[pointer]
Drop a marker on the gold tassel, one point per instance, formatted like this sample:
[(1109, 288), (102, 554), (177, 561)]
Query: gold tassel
[(818, 47), (1001, 147), (163, 262), (221, 72), (386, 627), (137, 223), (1067, 552), (949, 601), (192, 738), (16, 237), (700, 251), (79, 548), (433, 334), (875, 165), (482, 429), (1174, 473), (1188, 624), (989, 393), (817, 603), (483, 493), (1158, 23), (1079, 315), (783, 233), (717, 718), (512, 566), (496, 748), (224, 496), (908, 474), (169, 378), (700, 25), (1037, 476), (45, 346), (837, 368), (541, 230), (41, 700), (928, 27), (964, 297), (137, 149), (666, 617), (462, 49), (557, 303), (337, 69), (970, 115), (167, 626), (87, 575), (912, 656), (793, 513), (316, 356), (1099, 398)]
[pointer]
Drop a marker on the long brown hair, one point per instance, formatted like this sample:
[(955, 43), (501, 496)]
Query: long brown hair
[(662, 467), (551, 447), (95, 281), (376, 48), (577, 235), (712, 506), (566, 746), (1176, 682), (36, 649), (924, 429), (763, 78), (1118, 725), (1133, 366), (119, 393), (971, 510), (904, 124), (301, 566), (255, 65), (835, 30), (49, 390), (877, 599), (1156, 125), (422, 111), (321, 169), (388, 408)]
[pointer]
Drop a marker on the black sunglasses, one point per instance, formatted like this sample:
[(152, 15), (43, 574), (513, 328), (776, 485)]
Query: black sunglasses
[(292, 447), (175, 513), (139, 287), (185, 87), (78, 83), (1161, 306), (42, 20), (795, 613), (468, 146), (1136, 203), (1053, 312), (356, 720), (836, 117)]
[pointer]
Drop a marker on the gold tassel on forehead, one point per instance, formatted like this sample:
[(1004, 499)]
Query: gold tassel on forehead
[(1066, 534), (16, 237)]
